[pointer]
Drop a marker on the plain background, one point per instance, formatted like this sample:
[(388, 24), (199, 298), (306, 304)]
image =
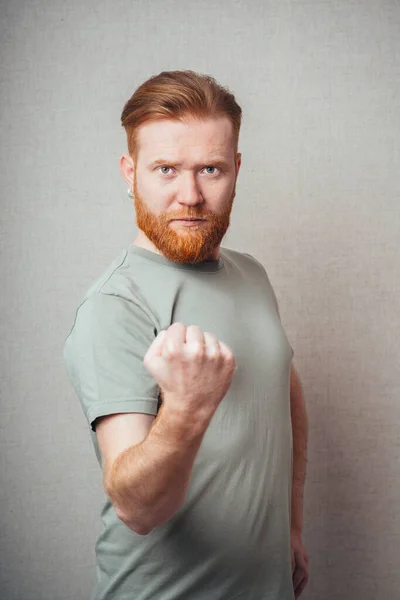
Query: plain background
[(317, 203)]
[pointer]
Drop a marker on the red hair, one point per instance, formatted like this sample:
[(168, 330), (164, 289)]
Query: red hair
[(175, 95)]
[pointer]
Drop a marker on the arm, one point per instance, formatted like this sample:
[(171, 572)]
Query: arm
[(300, 436), (147, 482)]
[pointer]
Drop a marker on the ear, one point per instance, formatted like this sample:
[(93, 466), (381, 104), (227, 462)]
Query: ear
[(127, 166), (238, 161)]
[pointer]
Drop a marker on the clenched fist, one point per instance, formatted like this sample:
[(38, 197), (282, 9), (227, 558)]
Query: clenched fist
[(193, 369)]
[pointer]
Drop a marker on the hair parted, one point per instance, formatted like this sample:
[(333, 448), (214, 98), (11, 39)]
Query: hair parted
[(175, 95)]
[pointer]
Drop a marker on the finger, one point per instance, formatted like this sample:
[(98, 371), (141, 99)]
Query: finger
[(226, 352), (194, 335), (301, 587), (155, 349), (297, 577), (212, 344), (175, 338), (195, 342)]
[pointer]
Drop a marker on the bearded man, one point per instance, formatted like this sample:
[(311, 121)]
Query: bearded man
[(184, 372)]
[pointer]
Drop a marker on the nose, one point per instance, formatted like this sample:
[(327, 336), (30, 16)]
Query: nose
[(189, 190)]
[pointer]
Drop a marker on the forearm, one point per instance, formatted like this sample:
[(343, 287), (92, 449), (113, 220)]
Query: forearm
[(300, 439), (148, 481)]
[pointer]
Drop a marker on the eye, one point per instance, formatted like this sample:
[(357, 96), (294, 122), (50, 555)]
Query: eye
[(164, 172), (211, 167)]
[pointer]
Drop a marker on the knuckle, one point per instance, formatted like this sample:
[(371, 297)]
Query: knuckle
[(196, 349), (230, 360), (171, 349), (210, 337), (177, 326)]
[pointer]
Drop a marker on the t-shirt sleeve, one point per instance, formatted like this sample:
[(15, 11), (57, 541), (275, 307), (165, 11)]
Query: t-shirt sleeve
[(272, 290), (279, 314), (103, 355)]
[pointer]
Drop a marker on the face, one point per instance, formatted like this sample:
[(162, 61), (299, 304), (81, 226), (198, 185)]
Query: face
[(183, 170)]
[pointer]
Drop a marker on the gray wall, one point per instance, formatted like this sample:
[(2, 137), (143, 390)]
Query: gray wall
[(317, 202)]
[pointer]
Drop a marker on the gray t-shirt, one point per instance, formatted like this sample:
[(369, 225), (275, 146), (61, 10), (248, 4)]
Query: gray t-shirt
[(231, 538)]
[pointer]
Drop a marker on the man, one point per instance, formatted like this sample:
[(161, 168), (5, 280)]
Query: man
[(183, 370)]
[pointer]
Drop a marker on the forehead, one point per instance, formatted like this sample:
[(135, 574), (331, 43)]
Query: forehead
[(177, 138)]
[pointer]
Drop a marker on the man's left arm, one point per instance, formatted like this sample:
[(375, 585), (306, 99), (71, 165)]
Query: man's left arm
[(300, 438)]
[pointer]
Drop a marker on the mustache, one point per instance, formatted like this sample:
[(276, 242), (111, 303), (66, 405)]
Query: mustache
[(189, 219), (191, 215)]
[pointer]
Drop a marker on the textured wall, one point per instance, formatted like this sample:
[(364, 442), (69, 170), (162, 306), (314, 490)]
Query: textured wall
[(317, 202)]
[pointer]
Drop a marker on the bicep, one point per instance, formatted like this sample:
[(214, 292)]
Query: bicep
[(295, 383)]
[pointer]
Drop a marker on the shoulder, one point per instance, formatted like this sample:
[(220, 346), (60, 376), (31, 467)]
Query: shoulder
[(117, 279), (240, 258), (110, 311), (116, 293)]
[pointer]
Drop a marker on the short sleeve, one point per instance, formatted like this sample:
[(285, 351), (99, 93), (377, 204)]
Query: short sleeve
[(272, 290), (279, 314), (104, 353)]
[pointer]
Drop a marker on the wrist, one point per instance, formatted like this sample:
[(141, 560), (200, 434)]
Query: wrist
[(178, 426), (296, 531)]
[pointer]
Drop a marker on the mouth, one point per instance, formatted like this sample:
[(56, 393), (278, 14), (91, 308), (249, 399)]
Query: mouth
[(188, 219)]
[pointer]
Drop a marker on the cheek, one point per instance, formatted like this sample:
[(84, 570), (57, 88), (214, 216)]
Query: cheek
[(222, 191), (149, 187), (146, 186), (157, 195)]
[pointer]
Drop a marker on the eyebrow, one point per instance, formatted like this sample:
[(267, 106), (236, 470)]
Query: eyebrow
[(164, 161)]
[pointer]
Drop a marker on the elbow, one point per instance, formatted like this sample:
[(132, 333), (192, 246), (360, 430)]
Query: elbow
[(141, 530), (135, 526), (130, 520), (142, 519), (143, 526)]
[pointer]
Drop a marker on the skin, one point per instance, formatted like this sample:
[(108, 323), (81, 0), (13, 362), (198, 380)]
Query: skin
[(189, 183), (300, 559)]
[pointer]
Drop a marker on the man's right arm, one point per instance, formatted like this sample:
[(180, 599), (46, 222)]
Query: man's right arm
[(147, 481)]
